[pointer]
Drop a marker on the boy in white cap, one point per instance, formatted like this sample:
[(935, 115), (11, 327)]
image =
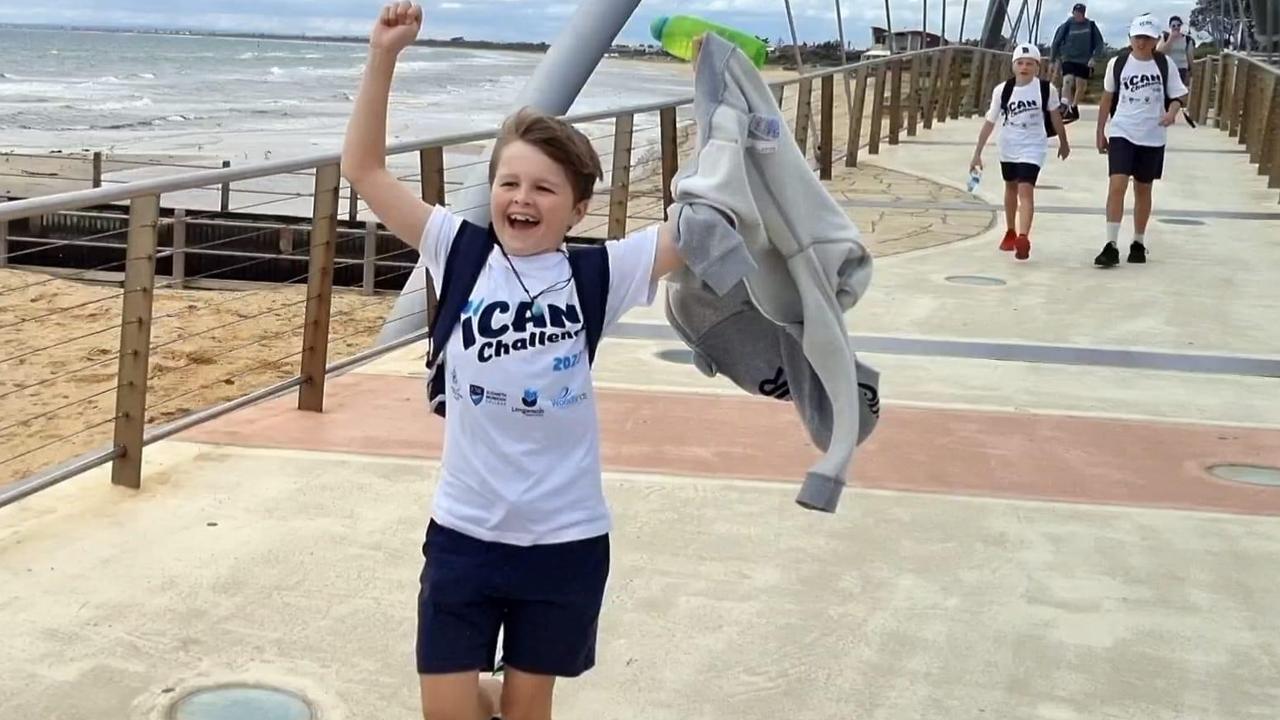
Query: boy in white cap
[(1143, 96), (1029, 107)]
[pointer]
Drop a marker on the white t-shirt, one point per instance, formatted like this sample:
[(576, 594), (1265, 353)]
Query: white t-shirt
[(1022, 136), (521, 461), (1140, 101)]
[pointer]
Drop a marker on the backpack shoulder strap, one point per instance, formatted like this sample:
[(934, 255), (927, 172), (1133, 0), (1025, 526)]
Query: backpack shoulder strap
[(467, 255), (1006, 92), (1117, 69), (590, 267), (1044, 95)]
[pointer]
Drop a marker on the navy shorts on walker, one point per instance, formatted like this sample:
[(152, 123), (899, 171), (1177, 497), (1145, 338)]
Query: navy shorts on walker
[(545, 598)]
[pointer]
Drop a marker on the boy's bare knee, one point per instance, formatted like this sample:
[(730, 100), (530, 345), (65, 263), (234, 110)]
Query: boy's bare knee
[(526, 696)]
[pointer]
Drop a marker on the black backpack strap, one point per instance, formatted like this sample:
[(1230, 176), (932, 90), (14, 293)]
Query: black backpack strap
[(1006, 92), (1116, 71), (590, 267), (467, 255), (1049, 129)]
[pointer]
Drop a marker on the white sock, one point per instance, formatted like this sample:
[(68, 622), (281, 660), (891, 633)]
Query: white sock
[(1139, 239), (1113, 233)]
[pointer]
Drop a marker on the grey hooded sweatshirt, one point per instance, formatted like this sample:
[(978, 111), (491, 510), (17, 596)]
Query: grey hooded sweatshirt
[(772, 264)]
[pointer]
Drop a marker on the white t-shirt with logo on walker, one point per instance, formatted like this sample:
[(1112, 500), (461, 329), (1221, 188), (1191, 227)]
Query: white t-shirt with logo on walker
[(521, 462), (1139, 102), (1022, 135)]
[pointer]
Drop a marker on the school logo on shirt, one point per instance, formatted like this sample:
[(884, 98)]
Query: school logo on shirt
[(480, 394), (528, 404), (567, 398), (496, 329)]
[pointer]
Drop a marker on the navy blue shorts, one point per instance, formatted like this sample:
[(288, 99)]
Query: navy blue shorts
[(545, 598)]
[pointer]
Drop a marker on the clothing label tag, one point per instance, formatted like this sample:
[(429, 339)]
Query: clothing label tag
[(763, 132)]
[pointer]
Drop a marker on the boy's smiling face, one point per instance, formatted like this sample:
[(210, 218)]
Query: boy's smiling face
[(531, 203)]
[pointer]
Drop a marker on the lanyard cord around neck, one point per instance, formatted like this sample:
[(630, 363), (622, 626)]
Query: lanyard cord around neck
[(533, 298)]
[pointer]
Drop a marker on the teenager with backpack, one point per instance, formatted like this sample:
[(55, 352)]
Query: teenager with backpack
[(1027, 108), (1075, 45), (1142, 99), (1180, 48)]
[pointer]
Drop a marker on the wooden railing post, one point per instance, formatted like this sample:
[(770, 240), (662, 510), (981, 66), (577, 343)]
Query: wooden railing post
[(914, 90), (670, 154), (97, 168), (877, 109), (1226, 92), (956, 93), (178, 261), (826, 131), (135, 340), (1205, 91), (926, 108), (1265, 86), (315, 334), (621, 176), (895, 104), (944, 84), (431, 175), (224, 203), (1269, 153), (1197, 79), (804, 114), (4, 240), (1238, 98), (1248, 107), (370, 264), (854, 142), (973, 98)]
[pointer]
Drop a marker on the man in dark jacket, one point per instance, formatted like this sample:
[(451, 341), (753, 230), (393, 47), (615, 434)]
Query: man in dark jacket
[(1076, 43)]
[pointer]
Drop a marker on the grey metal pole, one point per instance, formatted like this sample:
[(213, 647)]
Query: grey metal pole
[(924, 26), (555, 84), (943, 30), (888, 28), (964, 15)]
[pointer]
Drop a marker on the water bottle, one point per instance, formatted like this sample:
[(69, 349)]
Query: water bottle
[(677, 33), (975, 177)]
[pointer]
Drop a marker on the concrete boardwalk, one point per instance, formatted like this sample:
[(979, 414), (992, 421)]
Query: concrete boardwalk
[(1032, 532)]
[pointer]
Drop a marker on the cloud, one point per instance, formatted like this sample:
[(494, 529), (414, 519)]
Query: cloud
[(538, 20)]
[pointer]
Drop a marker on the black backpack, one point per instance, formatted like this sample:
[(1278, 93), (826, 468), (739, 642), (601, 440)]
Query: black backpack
[(469, 252), (1162, 62), (1007, 92)]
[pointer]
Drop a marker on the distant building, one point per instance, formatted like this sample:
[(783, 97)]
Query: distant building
[(906, 40)]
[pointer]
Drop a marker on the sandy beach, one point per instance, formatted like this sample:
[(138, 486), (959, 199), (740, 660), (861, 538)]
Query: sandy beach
[(58, 376)]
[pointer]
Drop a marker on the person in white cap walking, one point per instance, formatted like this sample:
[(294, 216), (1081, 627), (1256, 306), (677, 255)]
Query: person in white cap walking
[(1142, 98), (1028, 109)]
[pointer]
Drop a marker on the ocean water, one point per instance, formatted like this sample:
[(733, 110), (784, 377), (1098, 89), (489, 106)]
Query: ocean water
[(252, 100)]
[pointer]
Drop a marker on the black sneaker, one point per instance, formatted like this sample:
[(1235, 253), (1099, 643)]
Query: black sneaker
[(1137, 253), (1109, 257)]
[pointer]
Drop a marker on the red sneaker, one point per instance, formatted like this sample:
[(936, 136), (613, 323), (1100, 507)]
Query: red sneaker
[(1009, 243), (1023, 246)]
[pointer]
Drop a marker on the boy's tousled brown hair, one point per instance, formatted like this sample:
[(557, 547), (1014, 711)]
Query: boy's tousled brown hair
[(558, 140)]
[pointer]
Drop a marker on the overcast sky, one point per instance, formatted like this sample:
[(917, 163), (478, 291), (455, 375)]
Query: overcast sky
[(541, 19)]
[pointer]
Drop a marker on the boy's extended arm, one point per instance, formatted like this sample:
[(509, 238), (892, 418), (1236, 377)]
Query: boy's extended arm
[(983, 136), (666, 257), (365, 147)]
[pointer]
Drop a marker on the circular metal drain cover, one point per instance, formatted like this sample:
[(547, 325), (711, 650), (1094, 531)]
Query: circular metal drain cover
[(980, 280), (1181, 221), (1048, 187), (1251, 474), (240, 702), (676, 356)]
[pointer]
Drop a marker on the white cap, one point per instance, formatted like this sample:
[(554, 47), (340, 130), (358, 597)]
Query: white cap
[(1144, 25), (1025, 51)]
